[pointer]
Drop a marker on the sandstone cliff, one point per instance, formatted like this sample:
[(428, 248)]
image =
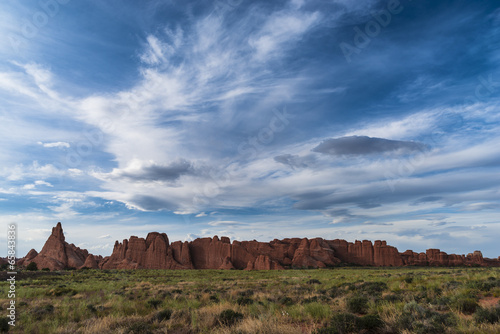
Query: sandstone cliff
[(156, 252)]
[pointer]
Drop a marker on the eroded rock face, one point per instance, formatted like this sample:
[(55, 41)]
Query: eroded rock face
[(57, 254), (156, 252)]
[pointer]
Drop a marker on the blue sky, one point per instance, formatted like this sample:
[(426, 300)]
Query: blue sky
[(254, 120)]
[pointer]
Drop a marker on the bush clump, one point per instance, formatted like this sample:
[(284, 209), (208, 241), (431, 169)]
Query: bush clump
[(420, 320), (370, 323), (357, 304), (244, 300), (154, 303), (4, 324), (340, 323), (229, 317), (32, 266), (39, 312), (163, 315), (140, 327), (466, 305), (484, 315)]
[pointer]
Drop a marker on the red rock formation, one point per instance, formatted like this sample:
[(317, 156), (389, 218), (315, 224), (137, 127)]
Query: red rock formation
[(57, 254), (90, 262), (156, 252)]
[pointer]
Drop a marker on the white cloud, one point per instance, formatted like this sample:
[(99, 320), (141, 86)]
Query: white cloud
[(58, 144)]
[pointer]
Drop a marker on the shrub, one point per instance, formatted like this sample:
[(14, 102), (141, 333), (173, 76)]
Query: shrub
[(244, 300), (420, 320), (163, 315), (287, 301), (45, 269), (32, 266), (61, 290), (371, 323), (154, 303), (91, 308), (313, 281), (357, 304), (484, 315), (408, 279), (141, 327), (41, 311), (4, 324), (466, 305), (317, 310), (229, 317), (373, 288), (341, 323)]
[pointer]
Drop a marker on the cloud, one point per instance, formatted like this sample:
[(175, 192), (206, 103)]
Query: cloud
[(294, 161), (362, 145), (150, 203), (139, 171), (58, 144), (226, 223), (201, 214)]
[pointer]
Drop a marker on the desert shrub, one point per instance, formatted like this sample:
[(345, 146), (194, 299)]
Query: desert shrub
[(481, 285), (287, 301), (179, 291), (154, 303), (442, 303), (45, 269), (408, 279), (317, 310), (246, 293), (373, 288), (464, 304), (340, 323), (140, 327), (313, 281), (214, 298), (91, 308), (32, 266), (392, 298), (357, 304), (60, 291), (229, 317), (41, 311), (420, 320), (310, 300), (484, 315), (370, 323), (244, 300), (163, 315), (4, 324), (335, 292)]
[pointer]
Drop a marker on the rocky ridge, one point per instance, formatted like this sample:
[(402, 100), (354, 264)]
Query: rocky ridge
[(156, 252)]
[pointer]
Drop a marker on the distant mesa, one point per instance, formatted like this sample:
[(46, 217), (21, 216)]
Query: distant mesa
[(156, 252)]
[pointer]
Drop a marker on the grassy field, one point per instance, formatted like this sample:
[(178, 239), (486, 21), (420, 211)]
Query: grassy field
[(340, 300)]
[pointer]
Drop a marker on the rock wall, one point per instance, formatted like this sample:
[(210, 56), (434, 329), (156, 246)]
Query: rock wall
[(156, 252)]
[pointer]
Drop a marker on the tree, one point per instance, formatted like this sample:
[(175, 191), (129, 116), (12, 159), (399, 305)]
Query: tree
[(32, 266)]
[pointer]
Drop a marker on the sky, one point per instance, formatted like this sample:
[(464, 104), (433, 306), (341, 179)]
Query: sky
[(355, 120)]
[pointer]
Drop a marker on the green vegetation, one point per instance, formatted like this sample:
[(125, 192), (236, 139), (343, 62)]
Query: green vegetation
[(32, 266), (339, 300)]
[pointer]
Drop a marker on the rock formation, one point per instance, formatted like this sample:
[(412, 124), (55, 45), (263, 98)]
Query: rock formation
[(57, 254), (156, 252)]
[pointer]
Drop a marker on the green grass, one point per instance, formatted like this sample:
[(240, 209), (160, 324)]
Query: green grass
[(339, 300)]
